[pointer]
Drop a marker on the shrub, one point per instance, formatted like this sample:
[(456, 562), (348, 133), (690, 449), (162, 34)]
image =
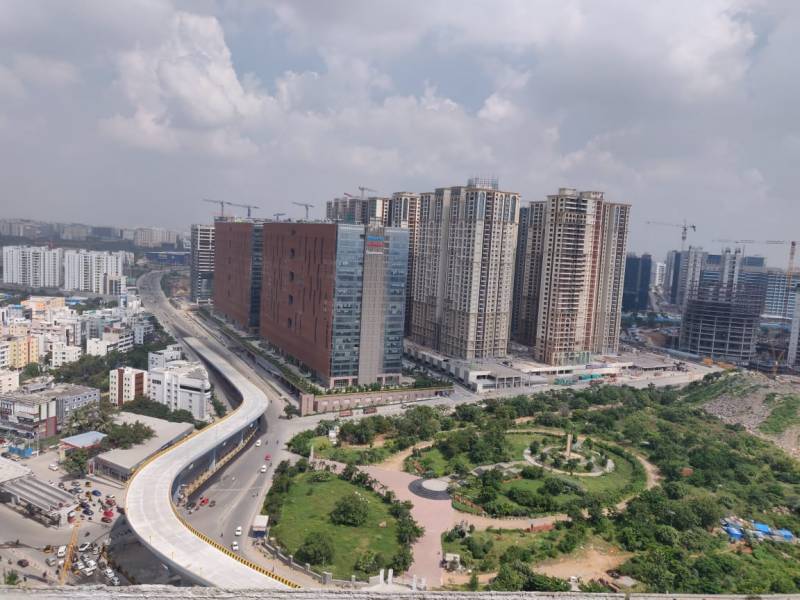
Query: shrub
[(351, 510)]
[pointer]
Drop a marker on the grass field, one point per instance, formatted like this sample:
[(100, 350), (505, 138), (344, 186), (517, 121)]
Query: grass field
[(521, 441), (361, 455), (784, 414), (306, 511)]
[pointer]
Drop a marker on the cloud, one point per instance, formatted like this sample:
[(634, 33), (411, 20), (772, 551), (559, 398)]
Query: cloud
[(678, 108)]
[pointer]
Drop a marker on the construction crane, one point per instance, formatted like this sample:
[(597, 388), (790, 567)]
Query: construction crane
[(363, 189), (305, 205), (249, 207), (685, 227), (221, 203), (73, 543), (278, 216)]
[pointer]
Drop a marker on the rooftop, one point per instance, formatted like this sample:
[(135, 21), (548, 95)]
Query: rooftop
[(86, 439), (184, 367), (10, 470), (165, 432), (45, 395)]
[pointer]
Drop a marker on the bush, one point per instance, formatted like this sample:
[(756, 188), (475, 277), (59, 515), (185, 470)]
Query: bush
[(369, 562), (317, 549), (351, 510)]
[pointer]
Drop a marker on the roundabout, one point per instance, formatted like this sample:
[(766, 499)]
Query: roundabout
[(432, 489)]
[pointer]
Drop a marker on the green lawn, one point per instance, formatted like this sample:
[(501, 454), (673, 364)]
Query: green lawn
[(521, 441), (361, 455), (784, 414), (306, 511)]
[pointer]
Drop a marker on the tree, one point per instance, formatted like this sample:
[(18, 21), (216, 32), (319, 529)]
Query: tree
[(351, 510), (473, 582), (76, 461), (369, 562), (31, 370), (11, 578), (317, 549)]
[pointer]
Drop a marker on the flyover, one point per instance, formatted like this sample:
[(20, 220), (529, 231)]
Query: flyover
[(152, 491)]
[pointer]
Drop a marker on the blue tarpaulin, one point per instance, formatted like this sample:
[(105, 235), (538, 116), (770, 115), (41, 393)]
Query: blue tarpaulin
[(734, 532), (762, 527), (785, 534)]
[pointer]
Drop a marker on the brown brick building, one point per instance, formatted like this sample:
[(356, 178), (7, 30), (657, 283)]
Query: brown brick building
[(238, 271), (334, 299)]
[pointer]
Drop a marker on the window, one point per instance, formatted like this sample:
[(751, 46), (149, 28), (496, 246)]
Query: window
[(291, 252), (289, 322), (291, 299), (291, 275)]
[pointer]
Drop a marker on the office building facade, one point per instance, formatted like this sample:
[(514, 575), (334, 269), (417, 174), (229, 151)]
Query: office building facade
[(181, 385), (238, 255), (334, 299), (464, 270), (201, 271), (571, 302), (636, 287)]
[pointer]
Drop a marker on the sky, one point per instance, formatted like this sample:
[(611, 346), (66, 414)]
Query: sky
[(129, 113)]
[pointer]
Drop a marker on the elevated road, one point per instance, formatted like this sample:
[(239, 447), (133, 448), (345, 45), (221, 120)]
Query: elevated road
[(151, 491)]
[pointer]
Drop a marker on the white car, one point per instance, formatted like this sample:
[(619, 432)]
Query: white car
[(88, 572), (258, 443), (235, 546), (61, 552), (53, 466), (238, 530), (84, 547), (91, 564), (263, 468)]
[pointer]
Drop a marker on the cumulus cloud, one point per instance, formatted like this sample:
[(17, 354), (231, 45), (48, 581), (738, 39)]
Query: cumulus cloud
[(675, 107)]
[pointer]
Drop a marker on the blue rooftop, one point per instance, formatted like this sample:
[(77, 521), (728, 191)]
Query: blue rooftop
[(84, 440)]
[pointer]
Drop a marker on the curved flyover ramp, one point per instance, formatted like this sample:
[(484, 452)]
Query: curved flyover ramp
[(151, 513)]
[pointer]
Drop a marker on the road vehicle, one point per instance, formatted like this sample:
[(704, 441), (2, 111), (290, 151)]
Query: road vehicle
[(238, 530)]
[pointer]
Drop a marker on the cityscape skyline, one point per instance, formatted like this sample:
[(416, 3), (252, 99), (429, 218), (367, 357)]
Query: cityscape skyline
[(147, 145)]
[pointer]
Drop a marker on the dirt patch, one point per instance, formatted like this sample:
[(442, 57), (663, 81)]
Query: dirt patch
[(395, 461), (748, 406), (591, 562)]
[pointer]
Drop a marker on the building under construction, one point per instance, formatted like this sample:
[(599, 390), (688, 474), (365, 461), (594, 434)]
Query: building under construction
[(721, 318)]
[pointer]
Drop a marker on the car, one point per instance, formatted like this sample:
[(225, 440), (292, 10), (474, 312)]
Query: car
[(84, 547), (53, 466), (52, 561), (267, 457), (88, 572), (263, 468), (106, 519), (78, 565), (97, 493), (61, 552), (238, 530), (258, 443), (114, 581), (23, 562), (88, 484), (191, 506), (88, 512), (235, 546), (109, 572), (204, 501), (91, 563), (47, 549)]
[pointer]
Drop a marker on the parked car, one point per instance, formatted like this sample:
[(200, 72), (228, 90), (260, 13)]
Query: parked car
[(114, 581), (88, 512), (23, 562), (204, 501), (53, 466), (258, 443), (106, 519), (97, 493), (52, 561), (84, 547), (61, 552)]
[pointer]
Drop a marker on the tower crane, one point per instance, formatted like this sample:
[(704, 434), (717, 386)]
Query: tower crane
[(305, 205), (278, 216), (221, 203), (249, 207), (685, 227), (363, 189)]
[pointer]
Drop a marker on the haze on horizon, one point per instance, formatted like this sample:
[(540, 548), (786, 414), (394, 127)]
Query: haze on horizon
[(127, 113)]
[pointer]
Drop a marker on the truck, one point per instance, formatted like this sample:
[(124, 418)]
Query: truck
[(370, 410), (345, 413)]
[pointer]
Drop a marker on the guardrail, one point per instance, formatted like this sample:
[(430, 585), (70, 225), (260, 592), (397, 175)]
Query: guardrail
[(233, 554), (192, 529)]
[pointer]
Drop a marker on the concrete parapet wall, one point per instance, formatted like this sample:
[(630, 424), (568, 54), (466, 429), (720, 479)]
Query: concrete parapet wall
[(163, 592)]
